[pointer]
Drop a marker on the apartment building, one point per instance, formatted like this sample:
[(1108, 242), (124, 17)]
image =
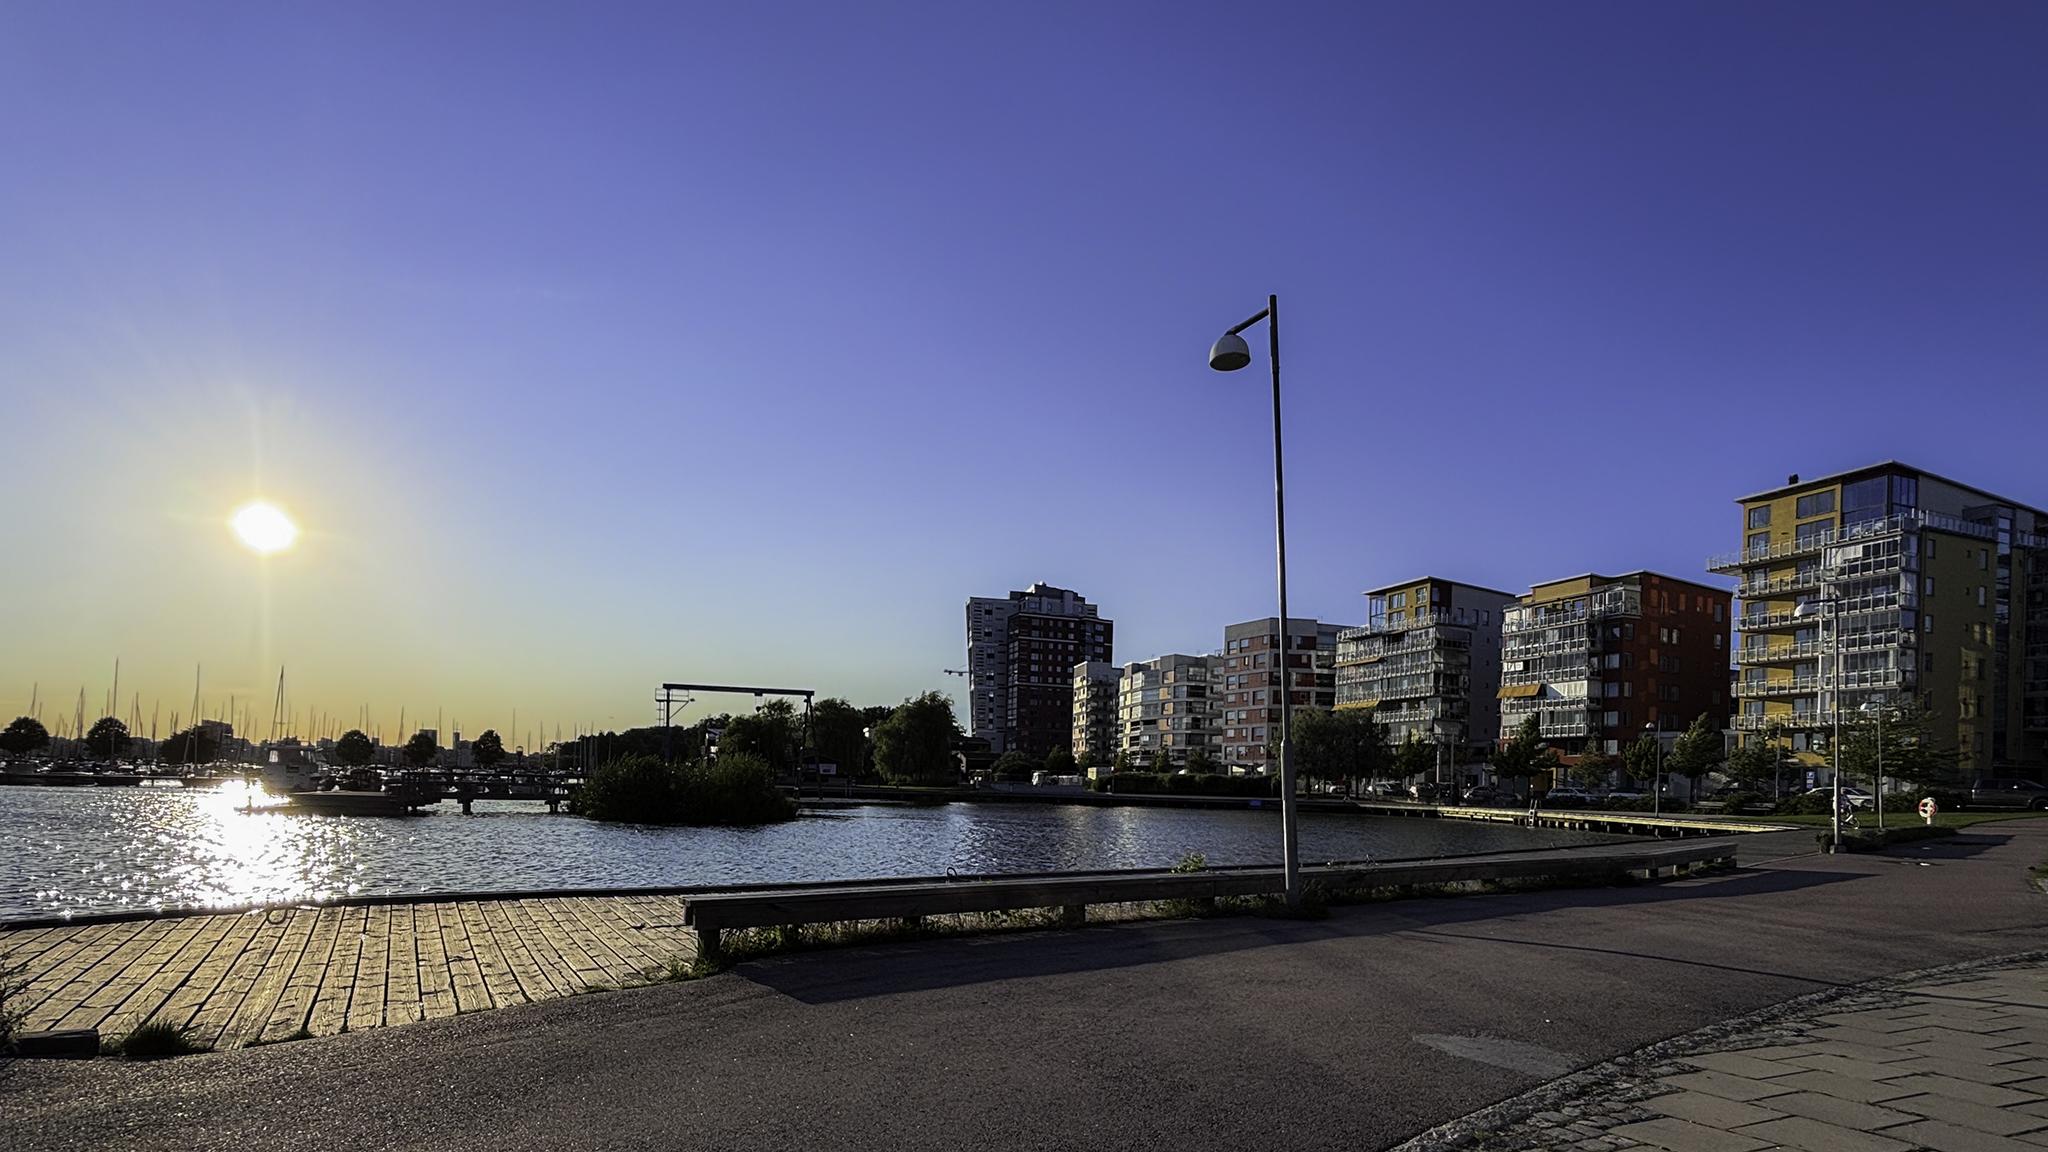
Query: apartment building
[(1427, 662), (1167, 707), (1252, 666), (1021, 652), (1927, 589), (1600, 660), (1096, 726)]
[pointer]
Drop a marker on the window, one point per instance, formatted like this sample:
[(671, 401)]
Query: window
[(1817, 504), (1983, 558), (1927, 586), (1717, 641), (1929, 541), (1815, 531), (1980, 595), (1760, 517), (1757, 541), (1717, 611), (1927, 623)]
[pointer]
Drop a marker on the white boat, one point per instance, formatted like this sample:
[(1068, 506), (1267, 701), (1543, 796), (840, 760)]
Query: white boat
[(299, 774)]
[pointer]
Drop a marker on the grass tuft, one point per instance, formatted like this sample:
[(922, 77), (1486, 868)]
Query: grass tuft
[(158, 1039)]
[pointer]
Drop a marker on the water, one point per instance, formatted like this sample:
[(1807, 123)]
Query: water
[(102, 849)]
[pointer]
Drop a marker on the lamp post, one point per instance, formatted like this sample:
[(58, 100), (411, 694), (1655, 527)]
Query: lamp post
[(1870, 707), (1656, 770), (1229, 354), (1803, 611)]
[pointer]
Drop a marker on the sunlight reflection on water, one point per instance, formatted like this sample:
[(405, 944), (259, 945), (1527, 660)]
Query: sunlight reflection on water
[(97, 849)]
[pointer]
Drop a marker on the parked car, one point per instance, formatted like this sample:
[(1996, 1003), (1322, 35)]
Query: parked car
[(1428, 791), (1567, 797), (1623, 796), (1482, 794), (1385, 789), (2008, 792)]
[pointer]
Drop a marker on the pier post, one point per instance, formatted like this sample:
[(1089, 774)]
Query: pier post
[(707, 944), (1073, 915)]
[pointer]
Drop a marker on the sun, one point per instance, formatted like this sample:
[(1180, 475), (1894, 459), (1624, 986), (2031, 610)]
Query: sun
[(264, 528)]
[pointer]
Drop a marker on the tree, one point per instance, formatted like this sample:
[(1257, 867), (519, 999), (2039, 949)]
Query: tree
[(838, 736), (107, 738), (915, 744), (1060, 761), (1640, 761), (487, 749), (1525, 755), (1200, 762), (1413, 758), (194, 745), (1338, 747), (25, 735), (1122, 762), (355, 748), (1756, 765), (1014, 767), (1594, 770), (770, 733), (421, 750), (1911, 754), (1697, 751)]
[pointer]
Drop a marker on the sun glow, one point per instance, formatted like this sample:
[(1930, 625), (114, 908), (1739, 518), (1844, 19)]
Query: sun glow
[(264, 528)]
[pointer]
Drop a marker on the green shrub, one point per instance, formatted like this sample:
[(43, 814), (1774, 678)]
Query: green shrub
[(737, 788), (1736, 803), (1802, 804)]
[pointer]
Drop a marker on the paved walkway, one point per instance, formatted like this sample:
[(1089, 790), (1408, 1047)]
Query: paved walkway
[(1955, 1061), (280, 973)]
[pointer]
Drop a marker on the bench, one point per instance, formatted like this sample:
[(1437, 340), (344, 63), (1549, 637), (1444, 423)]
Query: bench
[(840, 901)]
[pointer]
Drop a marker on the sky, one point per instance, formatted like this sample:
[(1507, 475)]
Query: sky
[(594, 346)]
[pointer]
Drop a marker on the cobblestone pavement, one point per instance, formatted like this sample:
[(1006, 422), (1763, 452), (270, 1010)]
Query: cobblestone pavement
[(1954, 1060)]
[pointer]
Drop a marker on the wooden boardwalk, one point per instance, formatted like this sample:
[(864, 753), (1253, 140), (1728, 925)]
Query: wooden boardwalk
[(272, 974)]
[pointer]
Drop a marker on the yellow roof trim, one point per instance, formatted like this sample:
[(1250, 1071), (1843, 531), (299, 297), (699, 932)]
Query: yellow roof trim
[(1518, 691)]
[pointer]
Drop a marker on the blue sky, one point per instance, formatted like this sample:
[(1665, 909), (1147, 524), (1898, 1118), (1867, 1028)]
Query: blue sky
[(599, 345)]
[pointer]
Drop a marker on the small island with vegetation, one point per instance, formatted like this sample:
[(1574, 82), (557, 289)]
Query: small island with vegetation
[(735, 788)]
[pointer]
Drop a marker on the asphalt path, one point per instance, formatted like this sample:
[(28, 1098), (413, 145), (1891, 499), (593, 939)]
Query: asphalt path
[(1352, 1032)]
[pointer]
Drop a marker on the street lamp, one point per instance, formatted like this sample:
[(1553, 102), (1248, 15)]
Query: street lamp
[(1807, 610), (1656, 771), (1229, 354), (1873, 707)]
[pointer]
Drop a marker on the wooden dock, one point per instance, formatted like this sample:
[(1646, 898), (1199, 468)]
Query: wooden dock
[(279, 973)]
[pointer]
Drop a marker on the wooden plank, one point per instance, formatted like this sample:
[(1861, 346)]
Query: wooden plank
[(535, 981), (614, 970), (606, 932), (582, 971), (329, 1015), (211, 972), (463, 971), (402, 969), (62, 963), (84, 999), (293, 1011), (217, 1017), (437, 983), (490, 956), (366, 995), (252, 1013), (548, 962), (24, 945), (643, 946), (156, 990)]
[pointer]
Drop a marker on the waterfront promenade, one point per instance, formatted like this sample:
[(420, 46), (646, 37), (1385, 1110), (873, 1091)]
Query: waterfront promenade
[(1358, 1031)]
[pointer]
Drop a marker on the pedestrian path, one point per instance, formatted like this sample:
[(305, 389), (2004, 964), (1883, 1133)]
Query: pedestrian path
[(1955, 1061), (279, 973)]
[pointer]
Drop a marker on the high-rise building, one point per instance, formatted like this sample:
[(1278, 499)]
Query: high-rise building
[(1021, 652), (1251, 683), (1167, 708), (1600, 660), (1929, 590), (1096, 685), (1427, 662)]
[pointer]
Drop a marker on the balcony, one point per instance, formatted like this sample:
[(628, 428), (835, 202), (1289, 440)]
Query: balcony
[(1529, 649), (1781, 653), (1775, 586), (1408, 623), (1801, 686), (1868, 530), (1613, 601)]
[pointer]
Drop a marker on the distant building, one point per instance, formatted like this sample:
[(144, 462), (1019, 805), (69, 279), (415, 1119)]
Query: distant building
[(1096, 683), (1251, 683), (1428, 664), (1942, 591), (1167, 708), (1021, 652), (1598, 659)]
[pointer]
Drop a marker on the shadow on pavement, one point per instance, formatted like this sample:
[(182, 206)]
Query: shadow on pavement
[(911, 966)]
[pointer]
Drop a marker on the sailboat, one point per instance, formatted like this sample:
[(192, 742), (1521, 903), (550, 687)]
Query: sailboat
[(301, 775)]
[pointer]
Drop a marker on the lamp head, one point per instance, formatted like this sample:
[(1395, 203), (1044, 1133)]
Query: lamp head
[(1230, 353)]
